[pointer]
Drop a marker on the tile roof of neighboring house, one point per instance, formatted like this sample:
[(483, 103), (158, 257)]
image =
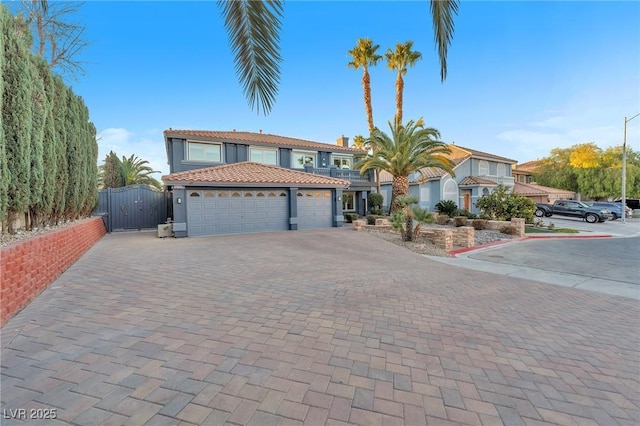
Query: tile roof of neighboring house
[(529, 166), (535, 189), (476, 180), (458, 154), (258, 138), (485, 155), (249, 173)]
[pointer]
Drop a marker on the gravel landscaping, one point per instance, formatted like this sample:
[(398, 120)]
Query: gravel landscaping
[(427, 247)]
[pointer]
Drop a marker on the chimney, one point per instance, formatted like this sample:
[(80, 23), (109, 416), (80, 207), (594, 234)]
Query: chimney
[(343, 141), (260, 131)]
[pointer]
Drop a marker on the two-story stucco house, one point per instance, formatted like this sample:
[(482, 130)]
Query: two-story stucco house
[(237, 182), (477, 173)]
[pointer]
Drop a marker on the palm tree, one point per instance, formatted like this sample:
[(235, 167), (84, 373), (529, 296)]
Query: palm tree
[(400, 60), (364, 56), (253, 28), (409, 149), (137, 172)]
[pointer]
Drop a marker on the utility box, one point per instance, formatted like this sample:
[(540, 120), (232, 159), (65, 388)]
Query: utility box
[(165, 230)]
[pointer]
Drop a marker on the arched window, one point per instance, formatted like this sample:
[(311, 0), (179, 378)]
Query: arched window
[(485, 191), (483, 168), (450, 191)]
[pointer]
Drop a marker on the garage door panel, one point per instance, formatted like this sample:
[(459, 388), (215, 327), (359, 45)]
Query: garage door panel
[(314, 209), (239, 212)]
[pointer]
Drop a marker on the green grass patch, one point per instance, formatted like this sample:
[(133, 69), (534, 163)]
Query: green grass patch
[(532, 230)]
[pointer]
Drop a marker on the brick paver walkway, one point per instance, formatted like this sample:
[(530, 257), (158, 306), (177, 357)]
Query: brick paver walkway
[(317, 327)]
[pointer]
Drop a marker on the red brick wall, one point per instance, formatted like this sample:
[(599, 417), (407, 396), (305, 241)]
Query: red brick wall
[(28, 267)]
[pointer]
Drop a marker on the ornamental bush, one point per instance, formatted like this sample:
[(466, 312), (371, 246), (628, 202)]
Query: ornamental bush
[(447, 207), (502, 204)]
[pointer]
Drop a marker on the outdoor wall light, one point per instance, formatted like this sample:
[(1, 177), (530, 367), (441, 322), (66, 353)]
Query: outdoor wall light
[(340, 198), (179, 200)]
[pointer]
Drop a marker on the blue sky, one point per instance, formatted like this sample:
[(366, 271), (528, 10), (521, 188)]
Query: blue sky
[(524, 77)]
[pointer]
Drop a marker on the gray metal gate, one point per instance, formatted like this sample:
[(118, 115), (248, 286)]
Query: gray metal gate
[(132, 207)]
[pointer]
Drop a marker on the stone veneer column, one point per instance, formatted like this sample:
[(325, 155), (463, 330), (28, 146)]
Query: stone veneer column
[(518, 223), (465, 236), (443, 238)]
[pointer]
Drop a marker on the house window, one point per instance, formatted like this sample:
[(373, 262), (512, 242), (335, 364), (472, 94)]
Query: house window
[(264, 156), (341, 162), (424, 194), (299, 159), (451, 191), (204, 152), (483, 168), (502, 170), (347, 201)]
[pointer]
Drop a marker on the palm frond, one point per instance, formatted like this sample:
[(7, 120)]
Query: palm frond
[(443, 12), (254, 34)]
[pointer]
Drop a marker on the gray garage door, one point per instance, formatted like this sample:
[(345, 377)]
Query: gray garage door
[(233, 211), (314, 209)]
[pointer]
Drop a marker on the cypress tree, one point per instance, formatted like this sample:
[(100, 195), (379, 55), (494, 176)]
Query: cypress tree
[(50, 165), (113, 177), (4, 175), (17, 116), (37, 143), (62, 177)]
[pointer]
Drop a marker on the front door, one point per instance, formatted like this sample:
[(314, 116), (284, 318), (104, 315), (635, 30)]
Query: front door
[(467, 201)]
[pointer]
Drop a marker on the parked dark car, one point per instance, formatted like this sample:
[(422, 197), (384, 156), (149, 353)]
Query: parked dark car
[(572, 208), (614, 208)]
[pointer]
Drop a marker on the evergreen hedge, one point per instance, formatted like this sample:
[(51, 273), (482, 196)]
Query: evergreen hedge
[(48, 148)]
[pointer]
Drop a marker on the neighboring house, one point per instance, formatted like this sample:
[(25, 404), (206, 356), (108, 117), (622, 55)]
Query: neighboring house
[(237, 182), (526, 185), (542, 194), (477, 173)]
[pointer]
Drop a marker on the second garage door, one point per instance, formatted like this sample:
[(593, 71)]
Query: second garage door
[(234, 211), (314, 209)]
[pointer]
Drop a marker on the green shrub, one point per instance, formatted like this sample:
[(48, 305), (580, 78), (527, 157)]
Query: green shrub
[(479, 224), (371, 219), (350, 217), (502, 204), (460, 221), (447, 207), (375, 201), (465, 213), (378, 211)]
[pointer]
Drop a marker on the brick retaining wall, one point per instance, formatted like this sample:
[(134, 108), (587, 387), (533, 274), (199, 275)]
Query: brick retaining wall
[(28, 267)]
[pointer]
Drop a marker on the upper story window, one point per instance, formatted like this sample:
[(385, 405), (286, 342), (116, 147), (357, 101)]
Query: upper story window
[(483, 168), (299, 159), (264, 155), (204, 152), (341, 162), (502, 170)]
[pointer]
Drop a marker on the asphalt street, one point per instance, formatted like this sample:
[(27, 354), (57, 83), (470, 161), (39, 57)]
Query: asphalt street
[(603, 257)]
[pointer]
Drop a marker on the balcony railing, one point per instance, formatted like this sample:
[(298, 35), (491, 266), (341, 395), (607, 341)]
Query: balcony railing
[(352, 176), (500, 180)]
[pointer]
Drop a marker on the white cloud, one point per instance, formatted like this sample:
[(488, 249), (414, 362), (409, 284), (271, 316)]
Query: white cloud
[(149, 146)]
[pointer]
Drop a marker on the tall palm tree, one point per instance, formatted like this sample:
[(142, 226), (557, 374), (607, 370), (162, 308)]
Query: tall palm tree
[(253, 28), (409, 149), (400, 60), (364, 56), (137, 171)]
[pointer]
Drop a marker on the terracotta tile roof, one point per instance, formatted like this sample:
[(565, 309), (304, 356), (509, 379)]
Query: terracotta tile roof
[(253, 174), (476, 180), (485, 155), (257, 138), (535, 189), (529, 166)]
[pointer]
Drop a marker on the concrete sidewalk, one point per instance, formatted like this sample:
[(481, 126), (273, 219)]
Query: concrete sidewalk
[(327, 327)]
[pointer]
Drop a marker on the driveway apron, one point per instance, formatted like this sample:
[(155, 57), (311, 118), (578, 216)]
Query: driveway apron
[(312, 327)]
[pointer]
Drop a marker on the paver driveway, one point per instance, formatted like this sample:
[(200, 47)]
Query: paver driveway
[(315, 327)]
